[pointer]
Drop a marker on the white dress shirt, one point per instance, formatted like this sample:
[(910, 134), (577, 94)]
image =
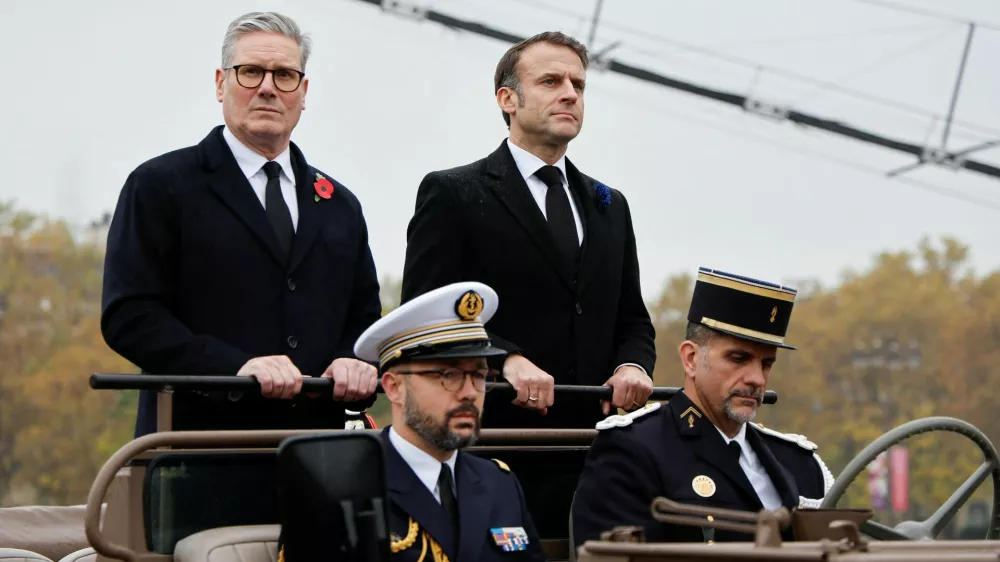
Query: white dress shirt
[(252, 165), (528, 164), (426, 467), (754, 470)]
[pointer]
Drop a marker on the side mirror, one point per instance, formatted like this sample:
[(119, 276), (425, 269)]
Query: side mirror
[(332, 498)]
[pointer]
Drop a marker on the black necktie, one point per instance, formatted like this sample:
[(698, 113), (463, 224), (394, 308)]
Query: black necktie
[(735, 450), (559, 214), (448, 501), (277, 211)]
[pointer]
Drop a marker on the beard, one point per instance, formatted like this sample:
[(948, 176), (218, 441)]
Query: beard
[(440, 434), (742, 417)]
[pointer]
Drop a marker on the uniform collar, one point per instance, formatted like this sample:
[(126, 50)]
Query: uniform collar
[(527, 163), (251, 162), (688, 418), (741, 437), (426, 467)]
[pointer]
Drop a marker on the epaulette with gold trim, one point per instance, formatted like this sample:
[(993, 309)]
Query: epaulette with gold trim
[(503, 466), (611, 422), (799, 440)]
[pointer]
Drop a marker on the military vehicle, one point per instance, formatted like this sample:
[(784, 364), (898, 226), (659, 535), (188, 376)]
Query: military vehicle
[(211, 496)]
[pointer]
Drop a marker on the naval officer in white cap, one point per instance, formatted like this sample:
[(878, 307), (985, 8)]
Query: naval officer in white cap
[(445, 504)]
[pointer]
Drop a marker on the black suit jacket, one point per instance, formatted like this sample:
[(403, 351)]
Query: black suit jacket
[(480, 223), (661, 453), (194, 283), (488, 498)]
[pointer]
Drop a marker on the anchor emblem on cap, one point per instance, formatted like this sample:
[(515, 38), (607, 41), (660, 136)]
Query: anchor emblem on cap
[(469, 305)]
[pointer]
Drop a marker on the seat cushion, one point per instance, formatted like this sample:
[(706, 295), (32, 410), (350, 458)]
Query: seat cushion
[(249, 543), (53, 531), (82, 555), (18, 555)]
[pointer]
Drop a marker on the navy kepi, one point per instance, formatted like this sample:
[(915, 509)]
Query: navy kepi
[(446, 323), (742, 307)]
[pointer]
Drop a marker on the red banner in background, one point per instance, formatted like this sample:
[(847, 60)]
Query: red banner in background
[(899, 478)]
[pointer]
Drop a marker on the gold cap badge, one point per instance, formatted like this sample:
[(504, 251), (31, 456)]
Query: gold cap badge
[(469, 305), (703, 486)]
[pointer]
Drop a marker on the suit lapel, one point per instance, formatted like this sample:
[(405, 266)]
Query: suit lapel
[(309, 210), (710, 446), (595, 226), (228, 182), (510, 188), (473, 510), (411, 496), (783, 480)]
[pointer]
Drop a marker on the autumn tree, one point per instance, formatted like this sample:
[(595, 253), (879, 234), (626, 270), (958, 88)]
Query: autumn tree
[(55, 432), (917, 335)]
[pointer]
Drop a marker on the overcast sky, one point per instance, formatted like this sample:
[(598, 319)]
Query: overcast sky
[(92, 89)]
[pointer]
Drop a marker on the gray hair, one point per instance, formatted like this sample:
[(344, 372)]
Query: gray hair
[(270, 22)]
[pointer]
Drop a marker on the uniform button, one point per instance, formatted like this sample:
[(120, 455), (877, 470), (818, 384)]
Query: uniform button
[(291, 285), (292, 342), (579, 308)]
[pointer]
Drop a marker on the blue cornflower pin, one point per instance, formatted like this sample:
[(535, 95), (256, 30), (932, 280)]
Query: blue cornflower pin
[(602, 194)]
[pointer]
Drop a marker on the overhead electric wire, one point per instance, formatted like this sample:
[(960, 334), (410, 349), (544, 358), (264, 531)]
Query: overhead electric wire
[(930, 14), (785, 73), (738, 100), (909, 49), (713, 53), (848, 34), (874, 170)]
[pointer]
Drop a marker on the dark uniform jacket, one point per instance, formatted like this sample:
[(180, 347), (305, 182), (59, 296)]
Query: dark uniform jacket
[(479, 222), (489, 497), (195, 283), (661, 452)]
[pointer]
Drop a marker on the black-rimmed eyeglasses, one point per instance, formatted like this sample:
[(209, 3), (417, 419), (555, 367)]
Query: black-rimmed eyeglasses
[(453, 379), (251, 76)]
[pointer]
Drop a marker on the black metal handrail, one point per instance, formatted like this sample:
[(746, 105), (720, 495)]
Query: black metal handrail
[(114, 381)]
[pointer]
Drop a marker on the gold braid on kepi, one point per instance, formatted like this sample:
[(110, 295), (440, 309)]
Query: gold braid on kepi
[(446, 323), (281, 555), (407, 541), (742, 307)]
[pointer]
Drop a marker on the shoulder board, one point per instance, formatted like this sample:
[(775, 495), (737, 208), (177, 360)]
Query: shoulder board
[(627, 419), (799, 440), (503, 466)]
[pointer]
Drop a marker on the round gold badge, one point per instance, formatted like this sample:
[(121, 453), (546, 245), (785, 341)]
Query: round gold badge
[(703, 486), (469, 306)]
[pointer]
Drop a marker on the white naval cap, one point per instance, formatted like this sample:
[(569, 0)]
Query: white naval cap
[(448, 322)]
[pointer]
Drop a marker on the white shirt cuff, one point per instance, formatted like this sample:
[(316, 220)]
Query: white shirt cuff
[(636, 365)]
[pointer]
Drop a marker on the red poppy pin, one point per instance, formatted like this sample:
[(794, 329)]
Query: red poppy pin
[(324, 189)]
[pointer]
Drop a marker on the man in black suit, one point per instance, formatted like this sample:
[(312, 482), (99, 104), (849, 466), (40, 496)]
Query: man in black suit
[(700, 448), (556, 245), (236, 257)]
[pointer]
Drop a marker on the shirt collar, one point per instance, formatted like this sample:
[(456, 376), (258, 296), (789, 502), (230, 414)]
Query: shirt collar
[(528, 163), (251, 162), (740, 438), (426, 467)]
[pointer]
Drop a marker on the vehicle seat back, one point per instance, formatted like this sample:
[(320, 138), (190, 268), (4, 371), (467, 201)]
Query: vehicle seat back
[(82, 555), (249, 543), (18, 555)]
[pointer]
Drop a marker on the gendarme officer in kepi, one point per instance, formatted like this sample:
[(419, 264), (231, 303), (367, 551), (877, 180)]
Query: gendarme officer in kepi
[(700, 448), (445, 504)]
